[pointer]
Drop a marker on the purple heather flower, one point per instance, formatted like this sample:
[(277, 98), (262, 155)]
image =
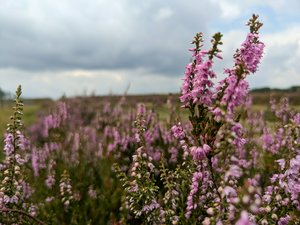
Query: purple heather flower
[(234, 171), (284, 220), (35, 161), (235, 92), (152, 206), (217, 112), (49, 199), (267, 139), (174, 152), (244, 219), (197, 176), (157, 155), (201, 92), (141, 109), (186, 96), (50, 181), (293, 181), (8, 144), (200, 153), (251, 52), (296, 119), (178, 131), (230, 192)]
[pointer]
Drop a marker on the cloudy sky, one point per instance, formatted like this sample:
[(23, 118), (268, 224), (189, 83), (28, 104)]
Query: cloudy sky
[(73, 47)]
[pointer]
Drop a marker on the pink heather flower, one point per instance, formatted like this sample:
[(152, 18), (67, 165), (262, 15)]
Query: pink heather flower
[(50, 181), (178, 131), (174, 152), (200, 153), (217, 112), (251, 52), (8, 146), (157, 155), (13, 199), (49, 199), (19, 159), (238, 141), (230, 192), (244, 219), (235, 92), (134, 188), (197, 176), (234, 171), (141, 109), (152, 206), (32, 210), (21, 143), (283, 109), (292, 175), (201, 92), (267, 139), (186, 96), (296, 119), (34, 162), (284, 220), (27, 191)]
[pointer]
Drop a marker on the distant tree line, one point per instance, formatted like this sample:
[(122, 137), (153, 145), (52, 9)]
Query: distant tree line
[(267, 89)]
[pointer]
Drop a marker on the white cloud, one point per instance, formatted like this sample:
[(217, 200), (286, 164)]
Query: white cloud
[(230, 11), (163, 13)]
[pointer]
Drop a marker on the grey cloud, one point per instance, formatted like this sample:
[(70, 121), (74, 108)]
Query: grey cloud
[(77, 82), (43, 35)]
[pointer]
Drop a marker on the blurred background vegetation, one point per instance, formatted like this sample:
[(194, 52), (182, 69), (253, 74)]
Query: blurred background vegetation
[(35, 107)]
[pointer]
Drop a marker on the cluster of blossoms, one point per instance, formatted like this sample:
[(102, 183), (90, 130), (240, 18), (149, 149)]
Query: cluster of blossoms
[(11, 191), (15, 192), (217, 155), (12, 183), (65, 189)]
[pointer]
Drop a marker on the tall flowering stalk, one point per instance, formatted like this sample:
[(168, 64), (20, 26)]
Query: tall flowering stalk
[(14, 190), (232, 91), (212, 112)]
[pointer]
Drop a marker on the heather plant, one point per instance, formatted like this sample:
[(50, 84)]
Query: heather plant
[(71, 166), (72, 152), (15, 192), (219, 180)]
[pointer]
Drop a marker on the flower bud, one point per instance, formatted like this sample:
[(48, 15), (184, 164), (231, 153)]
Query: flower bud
[(278, 197), (274, 216), (246, 199), (133, 174), (210, 211), (268, 208)]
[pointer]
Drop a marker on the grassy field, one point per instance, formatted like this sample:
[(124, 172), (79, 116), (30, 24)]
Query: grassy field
[(34, 107)]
